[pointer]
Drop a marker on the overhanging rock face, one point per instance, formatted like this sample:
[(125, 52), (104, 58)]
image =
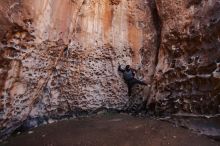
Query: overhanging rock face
[(58, 56), (187, 77)]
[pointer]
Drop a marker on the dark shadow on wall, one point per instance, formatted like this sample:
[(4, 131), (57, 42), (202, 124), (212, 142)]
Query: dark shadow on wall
[(158, 25)]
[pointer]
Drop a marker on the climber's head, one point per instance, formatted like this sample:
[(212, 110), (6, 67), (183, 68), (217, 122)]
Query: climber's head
[(127, 68)]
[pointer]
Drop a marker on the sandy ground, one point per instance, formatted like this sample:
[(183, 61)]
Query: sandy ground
[(110, 130)]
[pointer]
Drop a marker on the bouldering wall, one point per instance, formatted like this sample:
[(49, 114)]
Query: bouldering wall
[(59, 56), (187, 77)]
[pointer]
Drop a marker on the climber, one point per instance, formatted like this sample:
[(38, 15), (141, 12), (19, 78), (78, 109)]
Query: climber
[(129, 77)]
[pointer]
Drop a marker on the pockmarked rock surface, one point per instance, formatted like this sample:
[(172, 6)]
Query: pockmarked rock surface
[(61, 56), (58, 57)]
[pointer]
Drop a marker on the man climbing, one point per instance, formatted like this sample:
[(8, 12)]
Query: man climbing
[(129, 77)]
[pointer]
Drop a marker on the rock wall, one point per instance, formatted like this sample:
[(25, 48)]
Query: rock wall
[(60, 56), (187, 74)]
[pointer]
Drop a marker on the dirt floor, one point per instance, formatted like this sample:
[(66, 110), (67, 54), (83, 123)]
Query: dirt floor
[(110, 130)]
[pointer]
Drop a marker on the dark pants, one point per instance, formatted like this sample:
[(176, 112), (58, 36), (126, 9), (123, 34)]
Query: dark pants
[(130, 83)]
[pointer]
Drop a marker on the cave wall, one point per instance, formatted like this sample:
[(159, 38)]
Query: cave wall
[(61, 56), (187, 74)]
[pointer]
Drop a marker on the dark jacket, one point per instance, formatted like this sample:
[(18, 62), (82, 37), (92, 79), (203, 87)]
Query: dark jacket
[(127, 74)]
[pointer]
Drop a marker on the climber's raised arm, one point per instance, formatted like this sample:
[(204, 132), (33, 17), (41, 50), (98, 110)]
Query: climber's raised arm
[(120, 69)]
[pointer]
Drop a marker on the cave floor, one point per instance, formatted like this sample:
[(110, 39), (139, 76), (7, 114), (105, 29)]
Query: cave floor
[(110, 130)]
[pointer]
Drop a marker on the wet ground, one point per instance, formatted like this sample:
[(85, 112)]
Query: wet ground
[(110, 130)]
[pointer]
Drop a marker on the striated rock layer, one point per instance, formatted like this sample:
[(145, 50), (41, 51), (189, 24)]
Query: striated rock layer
[(61, 56)]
